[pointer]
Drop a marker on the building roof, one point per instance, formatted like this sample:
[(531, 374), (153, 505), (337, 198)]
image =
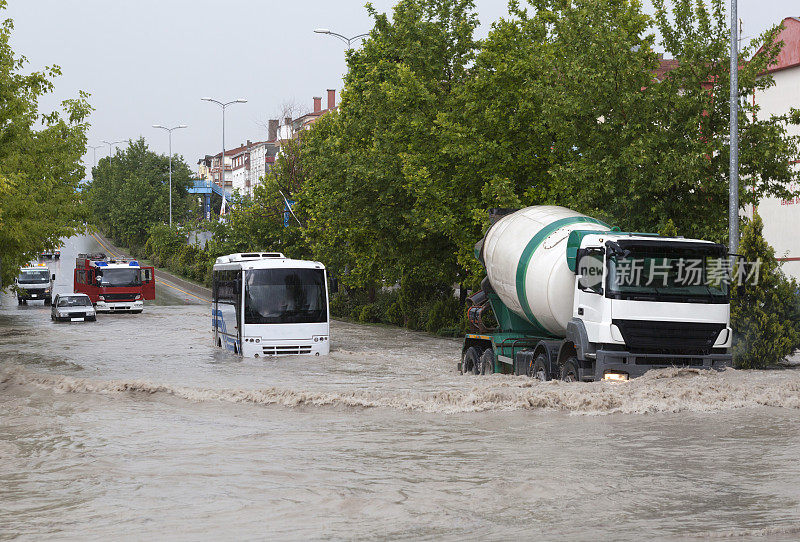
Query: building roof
[(790, 53), (664, 67)]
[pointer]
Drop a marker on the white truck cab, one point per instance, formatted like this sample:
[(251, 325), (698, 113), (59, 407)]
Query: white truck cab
[(33, 283)]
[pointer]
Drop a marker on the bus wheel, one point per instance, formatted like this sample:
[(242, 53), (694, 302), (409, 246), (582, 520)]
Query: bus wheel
[(540, 371), (487, 362), (471, 361), (569, 372)]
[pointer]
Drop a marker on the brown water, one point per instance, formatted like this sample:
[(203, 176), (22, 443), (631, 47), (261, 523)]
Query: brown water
[(136, 427)]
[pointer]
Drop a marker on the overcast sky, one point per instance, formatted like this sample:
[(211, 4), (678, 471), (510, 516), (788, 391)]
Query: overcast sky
[(149, 62)]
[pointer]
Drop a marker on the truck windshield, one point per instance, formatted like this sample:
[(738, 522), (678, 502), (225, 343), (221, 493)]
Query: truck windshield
[(285, 296), (673, 275), (34, 277), (121, 277)]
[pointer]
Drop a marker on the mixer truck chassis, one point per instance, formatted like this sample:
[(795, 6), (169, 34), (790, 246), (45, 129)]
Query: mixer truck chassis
[(562, 312)]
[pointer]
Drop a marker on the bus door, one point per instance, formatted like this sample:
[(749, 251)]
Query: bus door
[(148, 283)]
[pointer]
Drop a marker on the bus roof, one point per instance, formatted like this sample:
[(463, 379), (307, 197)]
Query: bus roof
[(265, 263)]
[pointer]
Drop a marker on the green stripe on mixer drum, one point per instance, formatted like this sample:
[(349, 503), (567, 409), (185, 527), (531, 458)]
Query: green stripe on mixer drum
[(530, 248)]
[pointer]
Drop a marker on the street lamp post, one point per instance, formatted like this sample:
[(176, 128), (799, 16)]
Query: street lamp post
[(223, 105), (169, 130), (94, 152), (733, 194), (343, 38), (109, 143)]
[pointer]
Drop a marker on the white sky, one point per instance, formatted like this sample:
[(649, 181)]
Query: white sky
[(149, 62)]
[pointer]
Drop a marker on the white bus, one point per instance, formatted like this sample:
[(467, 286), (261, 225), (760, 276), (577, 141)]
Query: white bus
[(264, 304)]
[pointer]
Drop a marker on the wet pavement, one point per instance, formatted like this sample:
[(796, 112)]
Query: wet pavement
[(136, 426)]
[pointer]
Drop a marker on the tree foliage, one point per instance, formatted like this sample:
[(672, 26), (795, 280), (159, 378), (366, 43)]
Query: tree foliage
[(40, 161), (129, 192), (382, 202), (765, 313)]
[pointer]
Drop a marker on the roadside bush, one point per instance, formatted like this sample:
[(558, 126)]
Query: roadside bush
[(440, 313), (764, 315)]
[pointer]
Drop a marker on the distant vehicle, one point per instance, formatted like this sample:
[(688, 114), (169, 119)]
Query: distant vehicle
[(265, 304), (34, 282), (51, 254), (72, 308), (114, 285)]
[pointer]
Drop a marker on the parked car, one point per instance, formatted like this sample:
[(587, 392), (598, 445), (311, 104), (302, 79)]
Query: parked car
[(72, 308)]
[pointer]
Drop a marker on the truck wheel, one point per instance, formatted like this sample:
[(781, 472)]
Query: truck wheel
[(569, 372), (48, 300), (471, 361), (539, 370), (487, 362)]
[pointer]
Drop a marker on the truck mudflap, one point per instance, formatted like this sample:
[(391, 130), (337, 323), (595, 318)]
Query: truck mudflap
[(636, 364)]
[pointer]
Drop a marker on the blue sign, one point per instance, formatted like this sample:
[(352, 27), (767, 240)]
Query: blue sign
[(287, 212)]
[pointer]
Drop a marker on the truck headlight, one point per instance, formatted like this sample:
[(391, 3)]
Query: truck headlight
[(615, 376)]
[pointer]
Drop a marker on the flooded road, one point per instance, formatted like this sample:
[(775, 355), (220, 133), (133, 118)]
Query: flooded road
[(136, 427)]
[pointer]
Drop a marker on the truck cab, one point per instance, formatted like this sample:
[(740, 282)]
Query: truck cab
[(643, 301), (114, 285), (33, 283)]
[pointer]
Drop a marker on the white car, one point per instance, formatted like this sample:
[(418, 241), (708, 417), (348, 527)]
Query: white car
[(72, 308)]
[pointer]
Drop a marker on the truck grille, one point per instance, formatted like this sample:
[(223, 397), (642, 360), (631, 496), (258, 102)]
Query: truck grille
[(285, 350), (666, 337), (118, 297)]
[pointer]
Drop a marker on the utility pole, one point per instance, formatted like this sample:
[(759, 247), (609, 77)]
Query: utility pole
[(733, 195)]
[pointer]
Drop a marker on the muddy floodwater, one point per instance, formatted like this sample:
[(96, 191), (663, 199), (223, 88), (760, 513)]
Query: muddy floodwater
[(136, 427)]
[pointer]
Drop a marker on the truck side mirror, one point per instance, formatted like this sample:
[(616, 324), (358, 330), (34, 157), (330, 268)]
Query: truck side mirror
[(53, 276)]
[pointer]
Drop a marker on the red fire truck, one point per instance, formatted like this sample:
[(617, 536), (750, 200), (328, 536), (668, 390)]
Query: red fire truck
[(114, 285)]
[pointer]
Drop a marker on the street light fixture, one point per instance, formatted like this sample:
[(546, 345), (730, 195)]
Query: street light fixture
[(109, 143), (178, 127), (223, 105), (343, 38)]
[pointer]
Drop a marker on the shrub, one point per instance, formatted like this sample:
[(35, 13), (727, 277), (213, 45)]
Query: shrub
[(764, 315)]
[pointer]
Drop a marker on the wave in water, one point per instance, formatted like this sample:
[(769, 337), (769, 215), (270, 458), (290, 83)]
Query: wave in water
[(665, 390)]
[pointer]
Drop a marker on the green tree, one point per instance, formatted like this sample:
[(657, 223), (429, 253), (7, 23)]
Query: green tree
[(129, 192), (381, 200), (764, 310), (40, 161), (565, 108)]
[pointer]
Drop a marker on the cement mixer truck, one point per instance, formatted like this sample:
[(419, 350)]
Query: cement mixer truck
[(569, 297)]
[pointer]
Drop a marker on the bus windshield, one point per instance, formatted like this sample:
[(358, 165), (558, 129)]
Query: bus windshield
[(121, 277), (285, 296), (34, 277)]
